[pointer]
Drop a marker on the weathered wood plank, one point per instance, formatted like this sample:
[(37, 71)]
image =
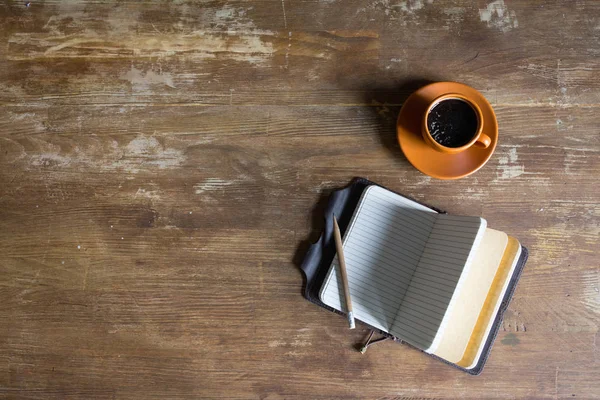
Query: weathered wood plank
[(111, 51), (163, 166)]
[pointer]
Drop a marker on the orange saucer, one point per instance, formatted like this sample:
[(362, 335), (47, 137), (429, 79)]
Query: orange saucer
[(424, 157)]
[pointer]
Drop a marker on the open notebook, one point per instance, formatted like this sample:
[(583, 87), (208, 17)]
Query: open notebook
[(433, 280)]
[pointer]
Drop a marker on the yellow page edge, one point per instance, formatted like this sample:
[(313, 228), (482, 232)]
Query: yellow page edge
[(492, 304)]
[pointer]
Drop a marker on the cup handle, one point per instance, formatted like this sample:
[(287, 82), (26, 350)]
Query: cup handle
[(483, 141)]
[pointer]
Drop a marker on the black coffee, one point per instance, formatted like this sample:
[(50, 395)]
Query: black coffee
[(452, 123)]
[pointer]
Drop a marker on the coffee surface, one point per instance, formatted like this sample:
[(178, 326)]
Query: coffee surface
[(452, 123)]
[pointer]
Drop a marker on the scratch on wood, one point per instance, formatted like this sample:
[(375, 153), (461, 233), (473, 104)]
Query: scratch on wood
[(556, 383), (70, 43), (284, 17), (85, 275), (473, 58), (261, 278)]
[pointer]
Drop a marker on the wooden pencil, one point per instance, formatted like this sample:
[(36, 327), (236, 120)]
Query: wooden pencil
[(342, 261)]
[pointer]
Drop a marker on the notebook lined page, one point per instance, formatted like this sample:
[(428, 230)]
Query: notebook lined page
[(382, 247), (435, 281)]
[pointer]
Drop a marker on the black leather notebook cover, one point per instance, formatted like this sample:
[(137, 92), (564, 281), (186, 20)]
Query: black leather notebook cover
[(318, 259)]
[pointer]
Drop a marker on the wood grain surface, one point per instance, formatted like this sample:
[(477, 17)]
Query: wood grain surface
[(164, 165)]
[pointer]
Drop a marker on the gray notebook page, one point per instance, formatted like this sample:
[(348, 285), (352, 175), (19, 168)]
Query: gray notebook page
[(436, 277), (382, 246)]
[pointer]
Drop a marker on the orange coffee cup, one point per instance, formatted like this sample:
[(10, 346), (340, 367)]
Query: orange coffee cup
[(473, 137)]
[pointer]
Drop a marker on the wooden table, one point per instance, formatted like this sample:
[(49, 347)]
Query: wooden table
[(164, 165)]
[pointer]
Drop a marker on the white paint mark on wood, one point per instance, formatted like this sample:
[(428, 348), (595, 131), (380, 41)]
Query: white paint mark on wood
[(544, 146), (211, 185), (241, 45), (402, 11), (576, 139), (231, 18), (73, 16), (472, 193), (497, 15), (454, 16), (302, 339), (49, 160), (301, 343), (508, 167), (228, 13), (142, 81), (143, 152), (425, 180), (20, 116), (148, 194), (590, 294), (410, 6), (147, 151), (287, 50), (576, 162)]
